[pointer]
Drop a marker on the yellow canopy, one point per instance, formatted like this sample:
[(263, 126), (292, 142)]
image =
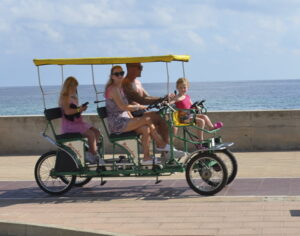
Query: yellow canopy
[(110, 60)]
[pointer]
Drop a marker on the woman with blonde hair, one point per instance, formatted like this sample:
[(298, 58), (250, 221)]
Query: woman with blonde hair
[(72, 121), (120, 119)]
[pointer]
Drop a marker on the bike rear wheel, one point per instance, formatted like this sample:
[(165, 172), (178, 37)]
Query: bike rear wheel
[(79, 181), (48, 183)]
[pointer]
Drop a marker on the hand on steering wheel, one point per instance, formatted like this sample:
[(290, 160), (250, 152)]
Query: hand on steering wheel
[(157, 103), (198, 104)]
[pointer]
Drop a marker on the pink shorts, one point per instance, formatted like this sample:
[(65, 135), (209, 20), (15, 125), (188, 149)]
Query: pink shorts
[(76, 126)]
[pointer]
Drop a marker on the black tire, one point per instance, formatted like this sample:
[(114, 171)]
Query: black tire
[(231, 163), (49, 184), (208, 180), (79, 181)]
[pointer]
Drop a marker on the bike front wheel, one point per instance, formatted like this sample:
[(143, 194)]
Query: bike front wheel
[(231, 163), (206, 174)]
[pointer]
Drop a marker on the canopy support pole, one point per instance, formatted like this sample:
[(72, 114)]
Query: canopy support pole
[(62, 74), (183, 71), (94, 84), (168, 81), (40, 84)]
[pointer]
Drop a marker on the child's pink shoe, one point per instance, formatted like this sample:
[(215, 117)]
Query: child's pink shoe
[(218, 125)]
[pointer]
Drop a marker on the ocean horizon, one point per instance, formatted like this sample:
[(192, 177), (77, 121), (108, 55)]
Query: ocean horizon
[(219, 96)]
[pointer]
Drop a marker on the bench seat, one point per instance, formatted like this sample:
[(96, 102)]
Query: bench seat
[(125, 135), (68, 136)]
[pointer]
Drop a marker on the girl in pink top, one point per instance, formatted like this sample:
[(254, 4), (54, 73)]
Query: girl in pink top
[(183, 101)]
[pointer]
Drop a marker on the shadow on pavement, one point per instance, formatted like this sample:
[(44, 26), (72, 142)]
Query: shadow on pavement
[(28, 192), (17, 192)]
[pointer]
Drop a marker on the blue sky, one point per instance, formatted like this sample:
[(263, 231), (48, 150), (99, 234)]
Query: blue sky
[(233, 40)]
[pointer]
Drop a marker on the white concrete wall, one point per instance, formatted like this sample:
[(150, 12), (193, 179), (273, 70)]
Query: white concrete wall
[(249, 130)]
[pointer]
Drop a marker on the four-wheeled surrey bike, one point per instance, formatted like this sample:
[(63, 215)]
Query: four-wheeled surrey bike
[(207, 170)]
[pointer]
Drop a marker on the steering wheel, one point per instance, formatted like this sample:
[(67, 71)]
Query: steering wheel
[(197, 103), (156, 103)]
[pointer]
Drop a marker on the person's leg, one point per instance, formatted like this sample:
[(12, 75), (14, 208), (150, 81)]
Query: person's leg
[(160, 125), (137, 122), (207, 121), (175, 130), (145, 132), (96, 132), (91, 141), (200, 123), (157, 138)]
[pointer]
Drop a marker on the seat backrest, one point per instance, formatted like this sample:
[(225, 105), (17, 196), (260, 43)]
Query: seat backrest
[(103, 114), (53, 113), (176, 119)]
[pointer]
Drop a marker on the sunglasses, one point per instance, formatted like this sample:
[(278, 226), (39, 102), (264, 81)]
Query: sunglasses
[(121, 73)]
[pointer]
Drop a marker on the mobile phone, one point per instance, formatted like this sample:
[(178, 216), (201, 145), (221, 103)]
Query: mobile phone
[(85, 104)]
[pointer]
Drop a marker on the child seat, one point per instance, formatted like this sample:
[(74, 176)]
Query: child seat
[(176, 120)]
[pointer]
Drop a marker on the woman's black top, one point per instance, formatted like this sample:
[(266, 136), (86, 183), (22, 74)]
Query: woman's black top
[(73, 116)]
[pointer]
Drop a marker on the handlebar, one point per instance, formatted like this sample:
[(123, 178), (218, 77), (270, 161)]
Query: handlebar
[(99, 101), (160, 104), (198, 104), (157, 103)]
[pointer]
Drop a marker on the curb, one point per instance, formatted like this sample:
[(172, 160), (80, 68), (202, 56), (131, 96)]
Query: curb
[(23, 229)]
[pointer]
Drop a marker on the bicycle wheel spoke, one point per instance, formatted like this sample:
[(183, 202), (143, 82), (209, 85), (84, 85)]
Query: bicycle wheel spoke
[(206, 174), (49, 183)]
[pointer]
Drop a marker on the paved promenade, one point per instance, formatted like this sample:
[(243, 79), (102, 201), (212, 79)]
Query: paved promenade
[(263, 200)]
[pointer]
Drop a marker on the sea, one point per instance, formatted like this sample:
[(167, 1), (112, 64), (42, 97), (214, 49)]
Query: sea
[(218, 96)]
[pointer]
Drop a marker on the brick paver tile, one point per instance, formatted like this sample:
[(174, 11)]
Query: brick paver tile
[(198, 219), (179, 226), (263, 213), (243, 219), (165, 219), (291, 224), (272, 231), (263, 224), (293, 230), (240, 231)]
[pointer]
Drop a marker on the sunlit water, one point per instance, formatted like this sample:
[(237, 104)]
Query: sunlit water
[(219, 96)]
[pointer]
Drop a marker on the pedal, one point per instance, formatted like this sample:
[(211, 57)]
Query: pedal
[(103, 182), (101, 168), (157, 167), (157, 180)]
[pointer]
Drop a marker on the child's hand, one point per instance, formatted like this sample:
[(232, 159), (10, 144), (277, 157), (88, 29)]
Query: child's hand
[(164, 103), (171, 96)]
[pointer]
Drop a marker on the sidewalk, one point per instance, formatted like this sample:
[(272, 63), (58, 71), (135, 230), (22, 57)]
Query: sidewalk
[(258, 202)]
